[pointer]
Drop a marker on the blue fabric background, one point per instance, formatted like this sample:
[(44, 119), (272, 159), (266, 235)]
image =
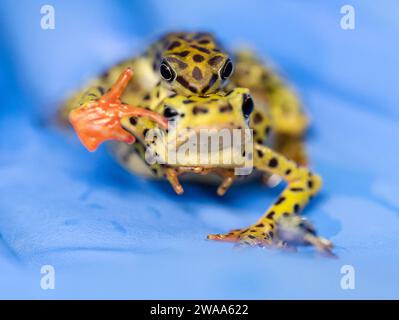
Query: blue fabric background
[(112, 235)]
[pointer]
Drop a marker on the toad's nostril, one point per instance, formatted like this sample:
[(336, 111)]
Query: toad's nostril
[(169, 112)]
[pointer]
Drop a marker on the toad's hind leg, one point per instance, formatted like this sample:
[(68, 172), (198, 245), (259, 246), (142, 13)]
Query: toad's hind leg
[(271, 92), (275, 226)]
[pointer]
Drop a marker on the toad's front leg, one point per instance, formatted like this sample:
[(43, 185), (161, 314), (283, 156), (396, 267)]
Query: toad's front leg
[(281, 225), (98, 117)]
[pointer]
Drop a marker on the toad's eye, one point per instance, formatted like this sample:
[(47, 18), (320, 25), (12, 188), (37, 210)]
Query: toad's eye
[(247, 105), (167, 72), (226, 70)]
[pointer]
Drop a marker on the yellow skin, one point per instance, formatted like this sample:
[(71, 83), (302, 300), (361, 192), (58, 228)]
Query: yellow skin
[(186, 76)]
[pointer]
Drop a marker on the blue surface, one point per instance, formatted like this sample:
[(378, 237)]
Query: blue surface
[(112, 235)]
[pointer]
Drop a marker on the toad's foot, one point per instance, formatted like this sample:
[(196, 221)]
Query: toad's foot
[(296, 230), (255, 235), (288, 232), (98, 120)]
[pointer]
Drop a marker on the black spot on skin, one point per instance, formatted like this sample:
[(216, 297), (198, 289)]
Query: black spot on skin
[(288, 172), (147, 97), (270, 215), (197, 110), (267, 130), (271, 225), (296, 189), (198, 58), (257, 118), (297, 207), (133, 121), (251, 236), (271, 234), (210, 83), (270, 89), (215, 60), (260, 153), (104, 75), (202, 49), (182, 53), (229, 93), (173, 95), (259, 141), (188, 101), (216, 50), (101, 90), (169, 112), (181, 64), (145, 131), (260, 225), (200, 35), (174, 45), (182, 36), (310, 184), (279, 201), (265, 76), (205, 41), (186, 84), (286, 214), (273, 163), (197, 74), (226, 108)]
